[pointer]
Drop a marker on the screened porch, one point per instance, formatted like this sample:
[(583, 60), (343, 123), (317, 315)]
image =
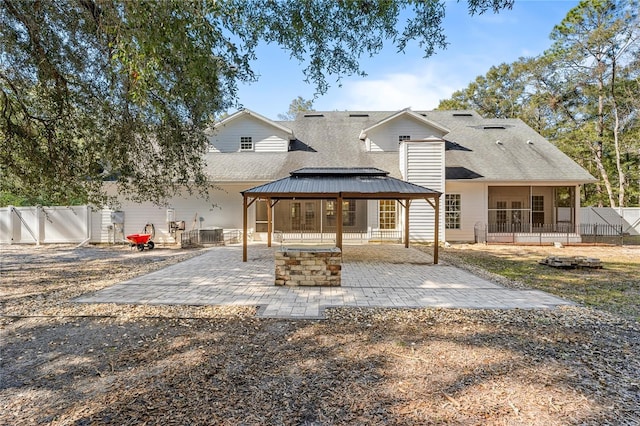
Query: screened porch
[(530, 214)]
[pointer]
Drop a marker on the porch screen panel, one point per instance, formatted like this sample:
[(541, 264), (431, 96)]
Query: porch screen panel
[(537, 210), (309, 215), (261, 216), (296, 216)]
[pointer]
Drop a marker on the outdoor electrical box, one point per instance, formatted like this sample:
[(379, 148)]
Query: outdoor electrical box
[(117, 217), (171, 215)]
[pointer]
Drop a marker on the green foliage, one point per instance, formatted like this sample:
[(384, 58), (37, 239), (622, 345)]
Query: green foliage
[(582, 95), (123, 90), (296, 106)]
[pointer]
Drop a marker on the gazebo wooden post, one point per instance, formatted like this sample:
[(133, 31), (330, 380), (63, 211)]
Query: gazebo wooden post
[(244, 228), (436, 243), (407, 204), (269, 218), (339, 222)]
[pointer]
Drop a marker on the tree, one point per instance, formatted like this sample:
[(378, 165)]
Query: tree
[(591, 44), (297, 105), (123, 90), (496, 94), (582, 94)]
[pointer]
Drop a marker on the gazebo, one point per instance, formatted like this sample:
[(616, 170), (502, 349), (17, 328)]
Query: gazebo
[(321, 183)]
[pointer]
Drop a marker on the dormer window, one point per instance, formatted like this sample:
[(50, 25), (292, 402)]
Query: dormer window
[(403, 138), (246, 143)]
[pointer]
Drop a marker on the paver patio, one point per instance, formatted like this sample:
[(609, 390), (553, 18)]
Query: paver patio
[(372, 276)]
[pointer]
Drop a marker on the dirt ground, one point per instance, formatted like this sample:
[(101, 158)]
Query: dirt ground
[(77, 364)]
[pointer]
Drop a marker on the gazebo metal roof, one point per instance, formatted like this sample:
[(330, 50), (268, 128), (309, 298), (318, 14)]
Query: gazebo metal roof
[(321, 183)]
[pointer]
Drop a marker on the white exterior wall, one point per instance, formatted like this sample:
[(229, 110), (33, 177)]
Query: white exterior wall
[(224, 210), (265, 138), (424, 165), (385, 137), (372, 214), (473, 206)]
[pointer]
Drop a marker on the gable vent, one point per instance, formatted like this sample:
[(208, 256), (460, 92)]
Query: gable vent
[(358, 115), (314, 115), (462, 114), (494, 127)]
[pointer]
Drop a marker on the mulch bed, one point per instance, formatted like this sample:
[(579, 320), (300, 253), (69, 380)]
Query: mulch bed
[(69, 364)]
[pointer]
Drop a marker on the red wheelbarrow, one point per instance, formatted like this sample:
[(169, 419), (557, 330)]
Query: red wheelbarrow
[(141, 241)]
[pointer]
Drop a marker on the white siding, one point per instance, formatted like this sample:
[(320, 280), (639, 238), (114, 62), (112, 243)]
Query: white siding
[(424, 163), (101, 228), (265, 138), (385, 137), (403, 160), (372, 214), (224, 210), (473, 200)]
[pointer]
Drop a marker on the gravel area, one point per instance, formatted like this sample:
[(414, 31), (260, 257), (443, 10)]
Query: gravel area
[(77, 364)]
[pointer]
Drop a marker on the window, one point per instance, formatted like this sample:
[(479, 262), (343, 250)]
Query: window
[(387, 214), (349, 213), (537, 209), (452, 211), (330, 212), (246, 143), (403, 138)]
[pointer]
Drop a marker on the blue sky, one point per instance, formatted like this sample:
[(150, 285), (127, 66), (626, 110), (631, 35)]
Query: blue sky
[(399, 80)]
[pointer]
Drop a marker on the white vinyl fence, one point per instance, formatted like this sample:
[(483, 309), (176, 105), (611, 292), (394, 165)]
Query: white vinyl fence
[(42, 225), (77, 225)]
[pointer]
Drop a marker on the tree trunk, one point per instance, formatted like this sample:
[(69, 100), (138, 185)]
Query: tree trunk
[(616, 136), (600, 128)]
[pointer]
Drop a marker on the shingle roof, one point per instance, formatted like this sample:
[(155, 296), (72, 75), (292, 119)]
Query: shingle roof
[(331, 139)]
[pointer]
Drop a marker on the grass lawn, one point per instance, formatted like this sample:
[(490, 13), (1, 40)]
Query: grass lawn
[(614, 288)]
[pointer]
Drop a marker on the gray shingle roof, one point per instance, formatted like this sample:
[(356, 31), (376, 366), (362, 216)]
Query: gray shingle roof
[(331, 140)]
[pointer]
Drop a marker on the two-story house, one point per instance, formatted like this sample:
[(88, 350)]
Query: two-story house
[(500, 179)]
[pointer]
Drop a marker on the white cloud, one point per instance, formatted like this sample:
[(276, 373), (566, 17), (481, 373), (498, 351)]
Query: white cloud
[(421, 90)]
